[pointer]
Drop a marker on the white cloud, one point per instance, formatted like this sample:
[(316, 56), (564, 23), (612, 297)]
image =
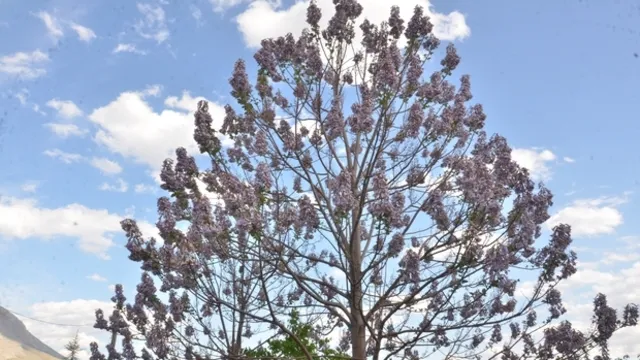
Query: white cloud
[(222, 5), (186, 102), (130, 48), (27, 65), (84, 33), (80, 312), (65, 130), (605, 200), (65, 108), (36, 108), (196, 13), (119, 186), (535, 161), (621, 285), (155, 175), (29, 186), (153, 90), (60, 320), (144, 188), (278, 21), (568, 159), (130, 127), (153, 25), (94, 228), (22, 95), (590, 217), (54, 28), (108, 167), (23, 218), (96, 277), (130, 211), (632, 242), (611, 258), (214, 198), (65, 157)]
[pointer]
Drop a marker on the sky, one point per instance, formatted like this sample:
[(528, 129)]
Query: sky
[(95, 95)]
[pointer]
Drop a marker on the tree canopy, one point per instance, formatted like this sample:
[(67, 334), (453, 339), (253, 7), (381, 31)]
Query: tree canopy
[(351, 181)]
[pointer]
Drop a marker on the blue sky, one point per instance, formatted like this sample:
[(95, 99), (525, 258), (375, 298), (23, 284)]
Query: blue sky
[(93, 95)]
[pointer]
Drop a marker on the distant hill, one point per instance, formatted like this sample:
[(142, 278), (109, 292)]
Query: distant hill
[(17, 343)]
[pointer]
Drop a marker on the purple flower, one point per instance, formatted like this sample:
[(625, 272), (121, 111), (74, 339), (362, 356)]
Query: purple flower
[(496, 334), (432, 89), (361, 120), (119, 299), (414, 121), (341, 193), (204, 134), (347, 78), (451, 60), (531, 318), (338, 28), (419, 25), (477, 340), (95, 353), (414, 72), (630, 315), (386, 69), (410, 265), (297, 184), (307, 216), (605, 318), (396, 245), (334, 123), (263, 177), (465, 88), (313, 14), (239, 82), (554, 300), (435, 208), (260, 145), (396, 23), (475, 118), (515, 330)]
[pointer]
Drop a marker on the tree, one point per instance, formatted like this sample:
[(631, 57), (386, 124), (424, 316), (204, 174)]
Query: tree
[(400, 223), (285, 347), (73, 347)]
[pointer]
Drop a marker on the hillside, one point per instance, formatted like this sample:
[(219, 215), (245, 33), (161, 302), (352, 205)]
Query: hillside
[(17, 343)]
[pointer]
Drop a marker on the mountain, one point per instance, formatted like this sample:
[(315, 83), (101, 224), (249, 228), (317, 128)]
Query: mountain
[(17, 343)]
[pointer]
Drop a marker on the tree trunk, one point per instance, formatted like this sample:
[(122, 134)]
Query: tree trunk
[(358, 338), (358, 330)]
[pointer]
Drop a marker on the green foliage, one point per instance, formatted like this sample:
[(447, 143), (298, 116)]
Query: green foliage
[(286, 347), (73, 347)]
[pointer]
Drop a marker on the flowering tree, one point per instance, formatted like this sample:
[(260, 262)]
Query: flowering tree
[(400, 225), (219, 329)]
